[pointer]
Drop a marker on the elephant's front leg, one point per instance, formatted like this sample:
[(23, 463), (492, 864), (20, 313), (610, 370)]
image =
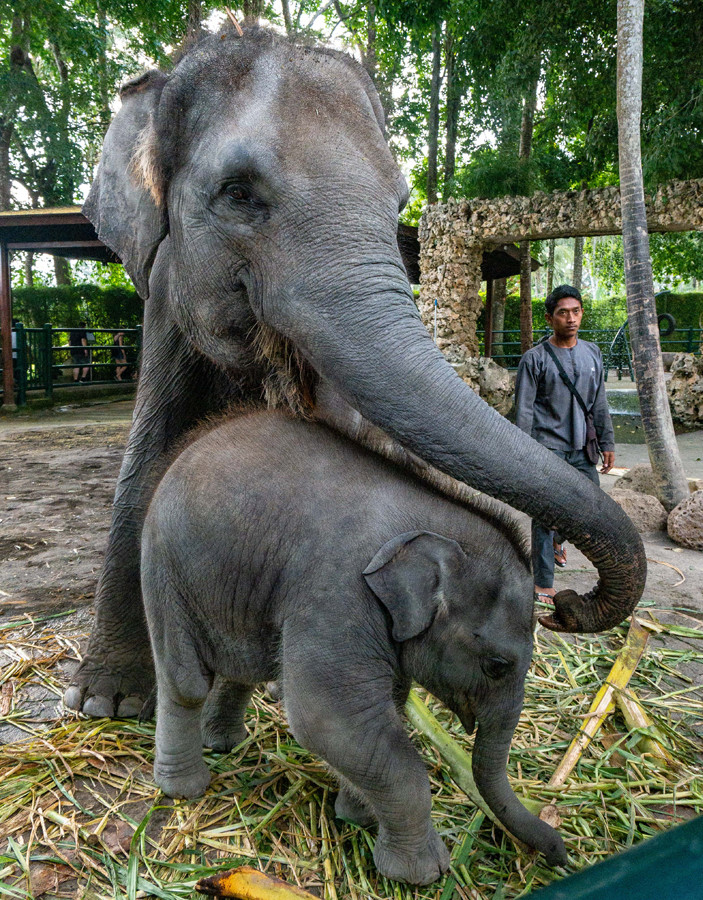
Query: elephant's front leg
[(367, 744), (176, 388)]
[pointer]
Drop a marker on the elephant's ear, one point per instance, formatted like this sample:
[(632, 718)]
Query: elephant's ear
[(125, 203), (409, 575)]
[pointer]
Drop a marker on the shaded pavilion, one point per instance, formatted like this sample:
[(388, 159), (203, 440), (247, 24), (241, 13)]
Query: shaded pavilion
[(63, 231)]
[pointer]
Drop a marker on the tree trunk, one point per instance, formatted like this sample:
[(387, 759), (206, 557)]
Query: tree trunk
[(252, 11), (195, 18), (499, 292), (525, 297), (370, 61), (526, 129), (550, 267), (62, 270), (29, 270), (287, 20), (644, 334), (577, 276), (6, 129), (453, 107), (433, 124)]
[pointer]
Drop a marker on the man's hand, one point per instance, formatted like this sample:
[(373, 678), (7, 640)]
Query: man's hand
[(608, 461)]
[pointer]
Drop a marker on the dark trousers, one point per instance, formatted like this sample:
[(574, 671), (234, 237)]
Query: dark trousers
[(543, 538)]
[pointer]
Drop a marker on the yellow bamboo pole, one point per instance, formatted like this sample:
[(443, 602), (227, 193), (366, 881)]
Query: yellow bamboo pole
[(604, 702)]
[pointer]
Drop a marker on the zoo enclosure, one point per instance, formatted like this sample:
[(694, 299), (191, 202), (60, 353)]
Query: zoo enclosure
[(42, 357)]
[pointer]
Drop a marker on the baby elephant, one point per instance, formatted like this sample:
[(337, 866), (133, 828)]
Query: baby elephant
[(274, 549)]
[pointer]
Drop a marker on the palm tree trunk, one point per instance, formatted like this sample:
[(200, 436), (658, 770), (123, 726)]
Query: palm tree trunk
[(577, 277), (649, 371), (433, 124)]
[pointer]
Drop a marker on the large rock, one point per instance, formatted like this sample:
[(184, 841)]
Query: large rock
[(639, 478), (646, 512), (685, 525), (685, 389), (490, 381)]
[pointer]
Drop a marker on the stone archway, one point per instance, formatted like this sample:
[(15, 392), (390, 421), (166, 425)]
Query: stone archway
[(454, 235)]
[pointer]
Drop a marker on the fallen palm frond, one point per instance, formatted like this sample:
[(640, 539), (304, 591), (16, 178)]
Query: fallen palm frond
[(80, 816)]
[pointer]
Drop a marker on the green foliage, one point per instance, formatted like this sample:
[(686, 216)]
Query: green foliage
[(111, 307), (687, 309)]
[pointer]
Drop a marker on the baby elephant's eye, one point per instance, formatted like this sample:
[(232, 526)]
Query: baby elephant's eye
[(496, 666)]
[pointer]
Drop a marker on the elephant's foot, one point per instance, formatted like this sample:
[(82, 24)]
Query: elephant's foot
[(182, 781), (222, 736), (414, 865), (110, 683), (352, 809)]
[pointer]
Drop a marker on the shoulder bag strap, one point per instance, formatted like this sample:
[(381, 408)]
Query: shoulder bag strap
[(565, 378)]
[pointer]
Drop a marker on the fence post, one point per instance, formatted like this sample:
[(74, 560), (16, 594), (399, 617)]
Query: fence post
[(48, 360), (21, 364), (689, 343)]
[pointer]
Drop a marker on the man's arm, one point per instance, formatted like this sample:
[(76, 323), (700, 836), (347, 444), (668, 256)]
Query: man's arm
[(525, 393)]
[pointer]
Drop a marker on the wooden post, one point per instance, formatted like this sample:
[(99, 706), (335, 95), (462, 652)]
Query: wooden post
[(488, 334), (8, 380)]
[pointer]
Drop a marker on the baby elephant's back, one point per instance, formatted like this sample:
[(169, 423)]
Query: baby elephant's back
[(264, 477)]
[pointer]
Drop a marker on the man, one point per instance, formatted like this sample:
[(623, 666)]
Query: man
[(547, 410)]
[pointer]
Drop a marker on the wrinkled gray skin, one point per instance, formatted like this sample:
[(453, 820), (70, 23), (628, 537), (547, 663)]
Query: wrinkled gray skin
[(277, 549), (254, 187)]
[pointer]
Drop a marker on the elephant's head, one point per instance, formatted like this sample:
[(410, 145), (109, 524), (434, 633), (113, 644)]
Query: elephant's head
[(464, 624), (258, 176)]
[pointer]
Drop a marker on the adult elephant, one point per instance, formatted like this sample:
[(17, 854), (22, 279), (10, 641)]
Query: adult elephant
[(254, 202)]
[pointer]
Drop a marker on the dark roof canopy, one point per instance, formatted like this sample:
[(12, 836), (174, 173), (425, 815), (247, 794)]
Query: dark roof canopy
[(64, 231), (502, 262)]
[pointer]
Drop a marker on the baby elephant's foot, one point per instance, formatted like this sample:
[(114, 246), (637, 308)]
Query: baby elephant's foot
[(351, 809), (181, 782), (421, 865), (222, 736)]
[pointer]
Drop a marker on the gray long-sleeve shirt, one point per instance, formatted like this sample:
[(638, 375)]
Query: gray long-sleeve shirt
[(546, 409)]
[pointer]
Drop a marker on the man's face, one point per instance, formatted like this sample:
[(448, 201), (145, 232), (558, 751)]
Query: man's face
[(566, 319)]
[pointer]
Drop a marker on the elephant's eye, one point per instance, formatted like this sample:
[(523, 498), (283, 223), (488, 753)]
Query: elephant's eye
[(240, 193), (496, 666)]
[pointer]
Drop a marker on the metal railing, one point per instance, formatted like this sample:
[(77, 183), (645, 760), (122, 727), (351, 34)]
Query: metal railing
[(42, 358), (506, 344)]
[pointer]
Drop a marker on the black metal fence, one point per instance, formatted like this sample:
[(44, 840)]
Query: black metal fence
[(42, 358), (506, 344)]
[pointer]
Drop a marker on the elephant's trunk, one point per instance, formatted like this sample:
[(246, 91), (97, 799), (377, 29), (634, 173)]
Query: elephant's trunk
[(378, 354), (490, 759)]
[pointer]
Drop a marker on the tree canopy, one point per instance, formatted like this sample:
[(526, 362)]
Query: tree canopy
[(489, 98)]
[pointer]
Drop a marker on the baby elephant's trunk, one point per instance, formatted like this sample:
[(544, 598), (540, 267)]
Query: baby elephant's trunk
[(489, 767)]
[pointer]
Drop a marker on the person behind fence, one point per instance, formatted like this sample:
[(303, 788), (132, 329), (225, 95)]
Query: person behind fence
[(560, 401), (78, 342), (119, 355)]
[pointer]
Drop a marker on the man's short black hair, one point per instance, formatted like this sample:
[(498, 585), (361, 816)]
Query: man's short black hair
[(559, 293)]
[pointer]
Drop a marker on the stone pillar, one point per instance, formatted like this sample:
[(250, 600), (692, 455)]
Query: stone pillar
[(450, 267)]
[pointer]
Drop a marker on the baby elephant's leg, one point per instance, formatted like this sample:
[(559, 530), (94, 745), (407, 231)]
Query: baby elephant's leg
[(179, 769), (223, 714), (358, 731)]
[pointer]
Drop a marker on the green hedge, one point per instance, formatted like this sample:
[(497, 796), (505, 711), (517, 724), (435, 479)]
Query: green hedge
[(685, 308), (112, 307)]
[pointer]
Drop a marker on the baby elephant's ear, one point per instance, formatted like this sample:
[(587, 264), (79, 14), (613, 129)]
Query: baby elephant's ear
[(409, 575)]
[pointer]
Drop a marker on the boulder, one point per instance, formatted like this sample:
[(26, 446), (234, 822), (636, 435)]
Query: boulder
[(646, 512), (685, 525), (685, 389), (639, 478), (490, 381)]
